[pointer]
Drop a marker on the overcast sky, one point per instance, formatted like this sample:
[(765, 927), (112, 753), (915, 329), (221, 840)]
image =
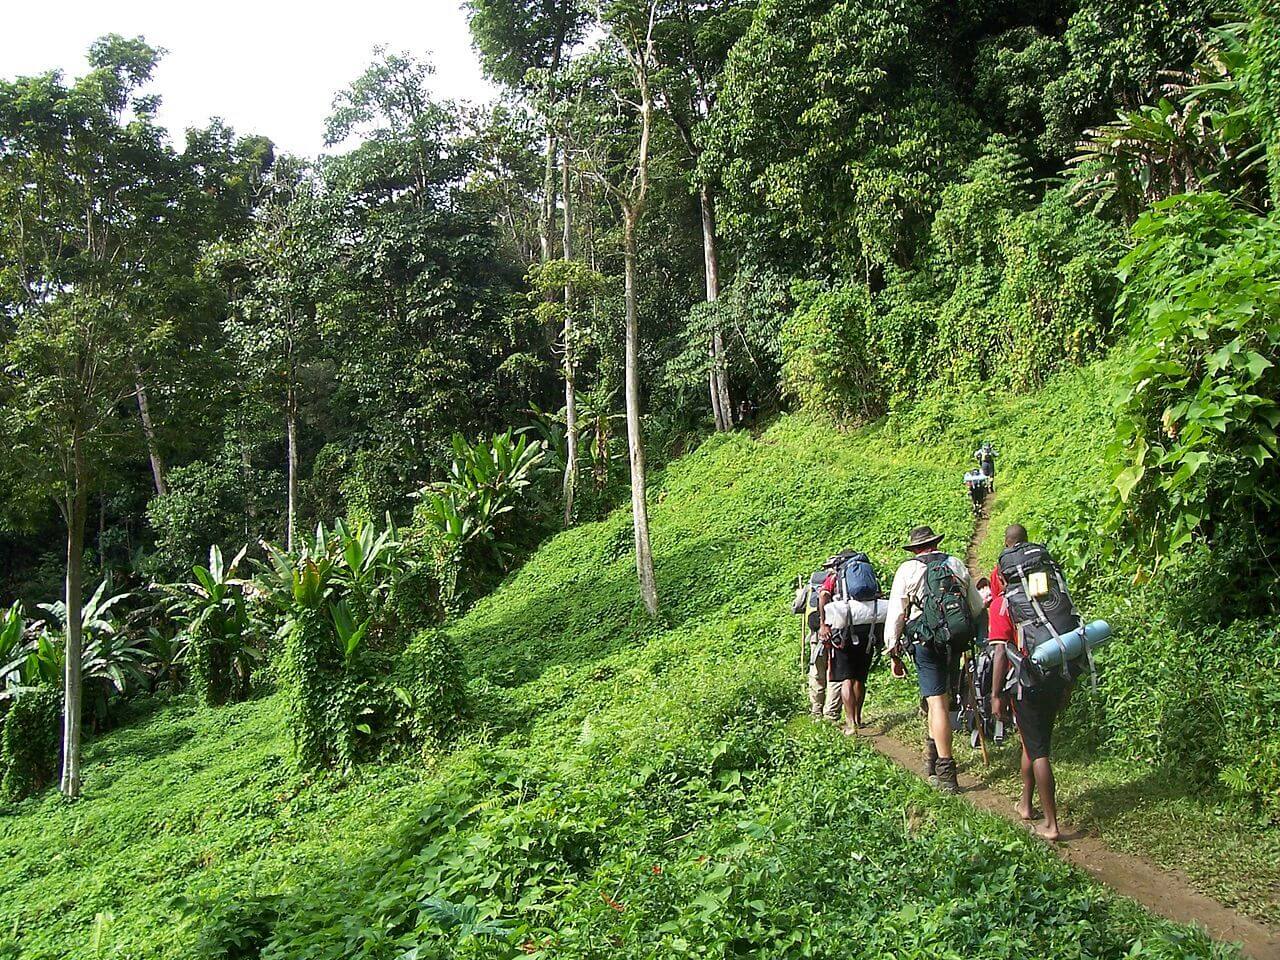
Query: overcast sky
[(269, 67)]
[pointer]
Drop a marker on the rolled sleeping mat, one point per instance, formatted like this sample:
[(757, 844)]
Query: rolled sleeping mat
[(855, 613), (1068, 646)]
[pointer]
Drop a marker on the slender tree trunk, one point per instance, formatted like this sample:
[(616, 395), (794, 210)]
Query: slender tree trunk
[(570, 358), (718, 380), (149, 433), (72, 707), (635, 440), (547, 218), (291, 429)]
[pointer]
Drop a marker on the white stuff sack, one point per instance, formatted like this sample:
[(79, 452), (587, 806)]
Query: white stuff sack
[(855, 613), (836, 614), (861, 613)]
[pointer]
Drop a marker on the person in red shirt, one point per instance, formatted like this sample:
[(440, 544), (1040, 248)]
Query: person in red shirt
[(1035, 709), (850, 656)]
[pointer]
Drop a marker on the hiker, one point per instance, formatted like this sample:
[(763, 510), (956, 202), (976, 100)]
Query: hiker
[(932, 606), (1018, 616), (824, 695), (986, 457), (979, 485), (982, 623), (851, 614)]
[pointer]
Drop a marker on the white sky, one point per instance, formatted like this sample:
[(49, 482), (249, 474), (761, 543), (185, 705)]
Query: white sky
[(269, 67)]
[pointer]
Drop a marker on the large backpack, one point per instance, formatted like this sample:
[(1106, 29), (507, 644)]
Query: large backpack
[(1038, 602), (855, 577), (944, 623)]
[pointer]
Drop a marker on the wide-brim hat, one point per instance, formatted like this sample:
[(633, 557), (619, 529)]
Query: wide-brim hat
[(922, 537)]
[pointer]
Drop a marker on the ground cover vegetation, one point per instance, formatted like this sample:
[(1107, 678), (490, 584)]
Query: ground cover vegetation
[(625, 786), (293, 422)]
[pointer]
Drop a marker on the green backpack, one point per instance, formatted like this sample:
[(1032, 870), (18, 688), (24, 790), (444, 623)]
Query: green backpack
[(944, 623)]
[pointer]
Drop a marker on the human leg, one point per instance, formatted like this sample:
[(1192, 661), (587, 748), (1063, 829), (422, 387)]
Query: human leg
[(1023, 806), (846, 697), (1048, 799), (859, 698)]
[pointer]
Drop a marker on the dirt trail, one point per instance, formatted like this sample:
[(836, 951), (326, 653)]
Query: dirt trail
[(1161, 891)]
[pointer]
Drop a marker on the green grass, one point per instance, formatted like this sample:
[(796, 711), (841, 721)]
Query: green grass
[(631, 788)]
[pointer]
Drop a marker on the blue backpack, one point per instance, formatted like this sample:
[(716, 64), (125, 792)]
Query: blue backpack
[(855, 577)]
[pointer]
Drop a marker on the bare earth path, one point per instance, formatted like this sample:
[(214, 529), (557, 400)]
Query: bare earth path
[(1161, 891)]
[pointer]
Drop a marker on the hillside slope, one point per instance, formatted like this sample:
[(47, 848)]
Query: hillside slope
[(631, 788)]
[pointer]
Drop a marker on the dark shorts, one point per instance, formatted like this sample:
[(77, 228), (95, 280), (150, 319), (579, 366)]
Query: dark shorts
[(937, 674), (1036, 710), (852, 661)]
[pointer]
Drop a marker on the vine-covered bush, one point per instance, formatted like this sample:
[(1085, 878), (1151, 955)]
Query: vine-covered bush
[(213, 620), (430, 682), (30, 742), (1010, 293)]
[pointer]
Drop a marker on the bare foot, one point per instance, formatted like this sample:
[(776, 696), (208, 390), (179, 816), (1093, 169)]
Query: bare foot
[(850, 730), (1049, 831), (1027, 813)]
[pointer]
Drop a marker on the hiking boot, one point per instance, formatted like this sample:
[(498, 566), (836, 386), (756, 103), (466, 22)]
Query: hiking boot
[(931, 761), (946, 779)]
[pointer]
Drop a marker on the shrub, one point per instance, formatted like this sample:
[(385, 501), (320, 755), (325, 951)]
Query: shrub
[(30, 742), (430, 682), (1196, 440), (213, 616)]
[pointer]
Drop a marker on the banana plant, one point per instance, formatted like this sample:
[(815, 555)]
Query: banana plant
[(211, 607), (484, 482)]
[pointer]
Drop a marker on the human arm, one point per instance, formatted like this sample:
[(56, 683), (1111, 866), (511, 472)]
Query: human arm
[(896, 614)]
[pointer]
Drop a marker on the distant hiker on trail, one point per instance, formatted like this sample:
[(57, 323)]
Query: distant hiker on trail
[(932, 607), (986, 457), (1030, 604), (979, 485)]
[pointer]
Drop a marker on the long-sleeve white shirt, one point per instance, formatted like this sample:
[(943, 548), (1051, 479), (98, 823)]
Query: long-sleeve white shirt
[(908, 588)]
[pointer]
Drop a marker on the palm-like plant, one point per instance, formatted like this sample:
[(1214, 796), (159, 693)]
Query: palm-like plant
[(213, 620), (1200, 136), (485, 480)]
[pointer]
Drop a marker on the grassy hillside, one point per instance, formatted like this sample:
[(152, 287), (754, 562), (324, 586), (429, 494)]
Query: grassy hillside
[(631, 788)]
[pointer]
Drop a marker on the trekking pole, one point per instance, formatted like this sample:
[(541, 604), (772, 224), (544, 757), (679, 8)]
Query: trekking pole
[(977, 711)]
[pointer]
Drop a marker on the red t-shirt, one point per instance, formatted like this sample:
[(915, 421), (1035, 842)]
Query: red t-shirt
[(829, 584), (999, 625)]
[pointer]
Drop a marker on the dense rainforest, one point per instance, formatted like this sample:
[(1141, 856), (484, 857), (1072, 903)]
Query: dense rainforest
[(459, 476)]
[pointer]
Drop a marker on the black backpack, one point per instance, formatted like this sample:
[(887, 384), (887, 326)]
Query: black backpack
[(944, 623), (1038, 601)]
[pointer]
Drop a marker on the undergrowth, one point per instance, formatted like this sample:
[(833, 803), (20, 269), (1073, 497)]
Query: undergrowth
[(627, 787)]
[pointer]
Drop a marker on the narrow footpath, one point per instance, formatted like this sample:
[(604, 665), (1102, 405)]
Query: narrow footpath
[(1161, 891)]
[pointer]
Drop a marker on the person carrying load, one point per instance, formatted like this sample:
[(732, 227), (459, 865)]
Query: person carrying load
[(845, 620), (1040, 647), (986, 457), (824, 695), (932, 610)]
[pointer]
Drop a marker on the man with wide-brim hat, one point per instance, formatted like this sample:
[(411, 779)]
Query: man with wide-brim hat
[(937, 673)]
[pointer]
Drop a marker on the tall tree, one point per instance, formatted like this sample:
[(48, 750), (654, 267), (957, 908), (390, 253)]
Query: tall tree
[(271, 275), (522, 44), (83, 178), (630, 32), (693, 41)]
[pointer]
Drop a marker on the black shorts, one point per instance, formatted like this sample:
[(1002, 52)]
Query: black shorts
[(852, 661), (938, 675), (1037, 709)]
